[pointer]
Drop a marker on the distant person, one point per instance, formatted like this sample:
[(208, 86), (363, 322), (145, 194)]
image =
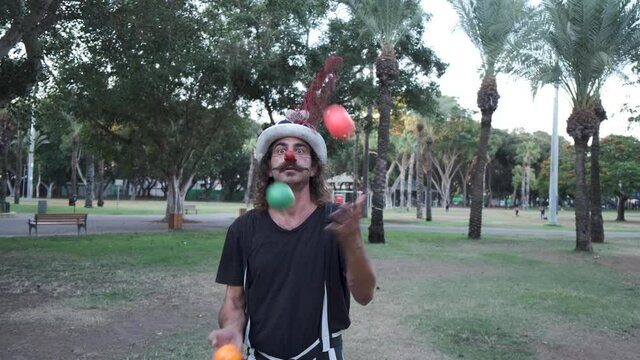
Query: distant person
[(517, 208), (446, 207)]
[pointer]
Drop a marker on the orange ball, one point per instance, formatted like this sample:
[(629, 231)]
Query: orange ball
[(227, 352), (338, 122)]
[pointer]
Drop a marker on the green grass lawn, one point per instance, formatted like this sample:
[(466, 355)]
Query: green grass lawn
[(528, 285), (525, 286), (101, 271)]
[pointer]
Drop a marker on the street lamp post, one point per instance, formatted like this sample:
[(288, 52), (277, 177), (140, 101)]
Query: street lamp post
[(553, 180)]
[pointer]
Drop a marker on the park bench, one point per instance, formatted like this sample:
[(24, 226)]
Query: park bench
[(80, 220), (188, 208)]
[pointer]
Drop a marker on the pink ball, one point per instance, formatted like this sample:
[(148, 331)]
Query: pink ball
[(338, 122)]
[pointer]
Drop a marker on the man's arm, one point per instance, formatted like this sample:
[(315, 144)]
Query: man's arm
[(231, 319), (346, 225)]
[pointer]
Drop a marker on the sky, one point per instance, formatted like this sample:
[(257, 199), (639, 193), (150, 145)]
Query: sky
[(516, 108)]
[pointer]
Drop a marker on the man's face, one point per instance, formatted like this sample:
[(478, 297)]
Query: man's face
[(291, 161)]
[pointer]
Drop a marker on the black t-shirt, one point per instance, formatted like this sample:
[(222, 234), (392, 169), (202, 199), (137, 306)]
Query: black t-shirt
[(286, 273)]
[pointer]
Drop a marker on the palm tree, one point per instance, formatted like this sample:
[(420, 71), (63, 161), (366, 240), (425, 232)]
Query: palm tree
[(429, 171), (592, 39), (249, 147), (19, 143), (491, 25), (388, 21), (368, 125), (90, 184), (406, 143), (7, 128), (528, 152), (75, 155), (419, 172), (597, 228)]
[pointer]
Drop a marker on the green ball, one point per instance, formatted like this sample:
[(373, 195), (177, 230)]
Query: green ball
[(280, 195)]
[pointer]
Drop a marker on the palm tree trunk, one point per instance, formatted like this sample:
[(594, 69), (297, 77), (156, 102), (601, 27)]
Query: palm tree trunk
[(419, 172), (597, 228), (477, 190), (356, 177), (37, 187), (412, 161), (583, 232), (465, 192), (19, 171), (365, 162), (488, 171), (4, 172), (403, 171), (75, 143), (376, 228), (523, 192), (429, 160), (249, 189), (621, 201), (100, 183), (89, 192), (488, 103)]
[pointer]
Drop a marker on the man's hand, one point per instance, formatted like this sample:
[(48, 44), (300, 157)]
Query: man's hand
[(225, 336), (345, 221)]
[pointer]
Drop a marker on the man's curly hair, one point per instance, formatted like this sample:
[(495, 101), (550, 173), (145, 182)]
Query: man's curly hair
[(320, 194)]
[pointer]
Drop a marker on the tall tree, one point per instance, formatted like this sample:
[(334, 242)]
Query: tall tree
[(620, 170), (154, 80), (453, 146), (592, 39), (405, 144), (491, 25), (597, 227), (75, 158), (566, 172), (272, 39), (413, 87), (429, 173), (21, 53), (388, 21), (528, 152), (89, 188), (7, 128), (419, 173)]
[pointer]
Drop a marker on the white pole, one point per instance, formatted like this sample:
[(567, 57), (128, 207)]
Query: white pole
[(553, 181), (32, 147)]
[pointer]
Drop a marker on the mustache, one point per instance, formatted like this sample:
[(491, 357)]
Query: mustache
[(290, 166)]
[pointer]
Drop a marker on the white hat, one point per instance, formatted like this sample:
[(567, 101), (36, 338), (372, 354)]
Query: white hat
[(286, 128)]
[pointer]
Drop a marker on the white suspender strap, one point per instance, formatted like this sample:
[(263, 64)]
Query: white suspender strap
[(311, 347), (332, 354), (248, 326), (326, 336), (325, 322)]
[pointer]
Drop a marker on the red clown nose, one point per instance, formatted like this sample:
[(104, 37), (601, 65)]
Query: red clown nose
[(289, 155)]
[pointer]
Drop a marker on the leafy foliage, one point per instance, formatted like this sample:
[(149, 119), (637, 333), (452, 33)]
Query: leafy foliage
[(620, 156), (492, 26)]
